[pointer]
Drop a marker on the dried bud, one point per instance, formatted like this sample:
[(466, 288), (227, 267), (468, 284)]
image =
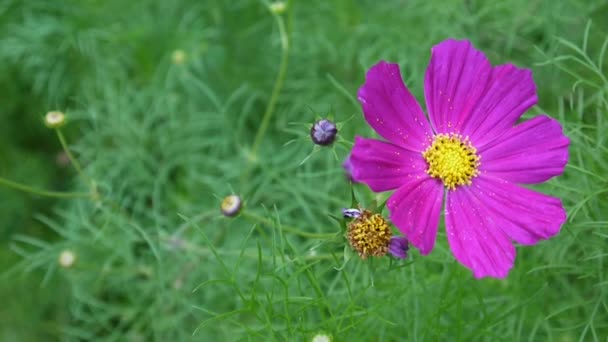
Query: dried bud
[(231, 205), (67, 258), (54, 119), (278, 7), (323, 132)]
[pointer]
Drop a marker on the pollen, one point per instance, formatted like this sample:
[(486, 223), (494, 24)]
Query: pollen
[(453, 159), (369, 234)]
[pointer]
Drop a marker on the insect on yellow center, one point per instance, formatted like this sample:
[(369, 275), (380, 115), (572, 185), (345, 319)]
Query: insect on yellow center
[(452, 159), (369, 234)]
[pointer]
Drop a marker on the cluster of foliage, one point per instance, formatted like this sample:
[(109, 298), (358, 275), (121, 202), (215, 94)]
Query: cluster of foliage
[(173, 105)]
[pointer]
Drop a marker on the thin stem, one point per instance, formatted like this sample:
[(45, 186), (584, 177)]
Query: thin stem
[(73, 160), (296, 231), (40, 192), (278, 85), (200, 217)]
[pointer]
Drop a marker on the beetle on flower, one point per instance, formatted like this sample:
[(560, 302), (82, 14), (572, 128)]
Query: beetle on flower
[(471, 151)]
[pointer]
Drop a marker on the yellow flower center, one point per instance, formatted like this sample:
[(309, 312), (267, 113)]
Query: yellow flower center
[(369, 235), (452, 159)]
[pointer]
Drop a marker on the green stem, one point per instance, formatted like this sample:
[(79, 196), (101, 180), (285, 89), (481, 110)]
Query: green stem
[(278, 85), (27, 188), (296, 231), (73, 160), (200, 217)]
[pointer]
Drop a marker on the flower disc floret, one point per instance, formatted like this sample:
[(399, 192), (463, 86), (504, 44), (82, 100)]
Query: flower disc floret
[(369, 234), (452, 159)]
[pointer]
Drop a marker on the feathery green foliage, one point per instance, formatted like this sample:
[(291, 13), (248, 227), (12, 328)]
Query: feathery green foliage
[(162, 138)]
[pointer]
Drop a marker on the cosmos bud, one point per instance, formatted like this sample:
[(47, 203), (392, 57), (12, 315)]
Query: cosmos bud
[(278, 7), (231, 205), (321, 337), (178, 57), (323, 132), (67, 258), (54, 119)]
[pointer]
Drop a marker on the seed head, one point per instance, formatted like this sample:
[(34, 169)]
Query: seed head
[(323, 132)]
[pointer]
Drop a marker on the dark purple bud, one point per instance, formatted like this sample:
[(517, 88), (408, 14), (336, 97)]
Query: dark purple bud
[(398, 247), (323, 132), (351, 213)]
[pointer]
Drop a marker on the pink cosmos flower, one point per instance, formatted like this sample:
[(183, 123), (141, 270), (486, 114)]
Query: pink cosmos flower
[(472, 152)]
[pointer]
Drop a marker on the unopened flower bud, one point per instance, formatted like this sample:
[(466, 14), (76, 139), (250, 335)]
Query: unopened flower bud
[(321, 337), (278, 7), (323, 132), (178, 57), (231, 205), (54, 119), (67, 258)]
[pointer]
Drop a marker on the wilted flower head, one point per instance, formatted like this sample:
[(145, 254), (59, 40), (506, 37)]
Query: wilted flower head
[(231, 205), (368, 234), (323, 132), (67, 258), (54, 119), (472, 151)]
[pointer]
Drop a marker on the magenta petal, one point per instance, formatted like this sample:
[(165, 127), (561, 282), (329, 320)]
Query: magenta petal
[(455, 80), (475, 238), (530, 152), (465, 94), (384, 166), (391, 110), (415, 208), (526, 216)]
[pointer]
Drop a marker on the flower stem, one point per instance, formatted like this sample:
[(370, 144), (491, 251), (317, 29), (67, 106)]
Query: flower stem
[(296, 231), (278, 85), (73, 160), (40, 192)]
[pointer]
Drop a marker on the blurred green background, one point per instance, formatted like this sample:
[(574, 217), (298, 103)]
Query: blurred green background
[(165, 138)]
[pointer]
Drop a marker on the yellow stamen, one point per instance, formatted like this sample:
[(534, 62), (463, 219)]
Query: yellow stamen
[(369, 235), (452, 159)]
